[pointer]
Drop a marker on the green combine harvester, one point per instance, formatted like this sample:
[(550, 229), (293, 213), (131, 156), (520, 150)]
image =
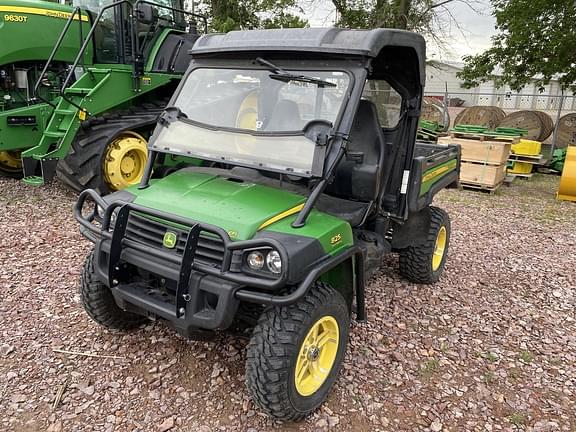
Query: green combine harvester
[(29, 31), (83, 104)]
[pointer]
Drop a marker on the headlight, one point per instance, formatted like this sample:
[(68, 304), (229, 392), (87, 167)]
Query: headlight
[(114, 216), (274, 262), (255, 260)]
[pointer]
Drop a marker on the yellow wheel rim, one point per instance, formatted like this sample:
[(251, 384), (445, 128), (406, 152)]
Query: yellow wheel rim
[(439, 248), (125, 160), (317, 356), (10, 160)]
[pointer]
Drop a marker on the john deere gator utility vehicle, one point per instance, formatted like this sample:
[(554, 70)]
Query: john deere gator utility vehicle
[(124, 71), (28, 31), (315, 176)]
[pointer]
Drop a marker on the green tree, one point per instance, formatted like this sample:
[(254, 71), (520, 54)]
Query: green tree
[(227, 15), (536, 39), (424, 16)]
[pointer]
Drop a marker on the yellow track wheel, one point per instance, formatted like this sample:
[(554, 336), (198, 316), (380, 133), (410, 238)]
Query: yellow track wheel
[(247, 117), (317, 355), (125, 160), (567, 188), (439, 248), (10, 161)]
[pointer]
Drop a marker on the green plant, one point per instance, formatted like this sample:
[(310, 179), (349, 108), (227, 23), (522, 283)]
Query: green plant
[(429, 367), (517, 418), (526, 356), (489, 377), (514, 374), (491, 357)]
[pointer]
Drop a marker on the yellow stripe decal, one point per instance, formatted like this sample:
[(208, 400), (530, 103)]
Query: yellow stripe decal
[(280, 216), (40, 11), (435, 173)]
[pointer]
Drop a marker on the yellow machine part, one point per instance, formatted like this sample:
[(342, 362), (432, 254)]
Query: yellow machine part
[(520, 168), (527, 147), (567, 188), (247, 117)]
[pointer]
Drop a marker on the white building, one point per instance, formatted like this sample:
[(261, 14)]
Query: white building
[(441, 79)]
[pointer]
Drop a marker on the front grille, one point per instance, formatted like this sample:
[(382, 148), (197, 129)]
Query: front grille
[(209, 251)]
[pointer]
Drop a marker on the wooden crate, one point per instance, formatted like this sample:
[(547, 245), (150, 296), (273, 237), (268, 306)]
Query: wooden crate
[(482, 174), (491, 152)]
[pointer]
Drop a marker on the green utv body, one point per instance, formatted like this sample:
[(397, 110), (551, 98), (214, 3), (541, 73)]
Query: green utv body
[(311, 176), (83, 86)]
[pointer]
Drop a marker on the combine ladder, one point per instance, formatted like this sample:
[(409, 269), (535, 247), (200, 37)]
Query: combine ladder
[(40, 162)]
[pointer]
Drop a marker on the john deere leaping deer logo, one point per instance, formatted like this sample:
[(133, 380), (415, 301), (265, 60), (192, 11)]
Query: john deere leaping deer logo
[(170, 240)]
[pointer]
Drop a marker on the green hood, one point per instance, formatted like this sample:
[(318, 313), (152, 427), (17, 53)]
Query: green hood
[(238, 207)]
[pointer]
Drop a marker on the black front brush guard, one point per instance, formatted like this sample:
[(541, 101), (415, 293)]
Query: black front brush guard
[(116, 237)]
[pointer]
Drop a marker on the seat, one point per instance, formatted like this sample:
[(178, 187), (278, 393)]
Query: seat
[(285, 117), (360, 179)]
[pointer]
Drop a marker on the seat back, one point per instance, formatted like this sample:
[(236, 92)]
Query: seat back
[(360, 179), (285, 117)]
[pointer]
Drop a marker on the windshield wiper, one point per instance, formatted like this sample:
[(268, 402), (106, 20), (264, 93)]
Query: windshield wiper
[(280, 74)]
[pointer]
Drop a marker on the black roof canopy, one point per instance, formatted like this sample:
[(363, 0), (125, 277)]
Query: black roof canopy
[(333, 41)]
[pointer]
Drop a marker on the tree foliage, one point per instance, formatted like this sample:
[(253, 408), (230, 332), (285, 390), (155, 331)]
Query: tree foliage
[(227, 15), (432, 18), (536, 39)]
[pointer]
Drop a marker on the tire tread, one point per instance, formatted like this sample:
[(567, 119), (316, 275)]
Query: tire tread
[(99, 302), (274, 341), (415, 261)]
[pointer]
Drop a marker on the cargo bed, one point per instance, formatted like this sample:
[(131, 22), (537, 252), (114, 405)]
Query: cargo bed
[(434, 167)]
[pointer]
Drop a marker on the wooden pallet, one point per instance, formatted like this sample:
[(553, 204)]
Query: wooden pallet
[(520, 175), (535, 160), (485, 137), (480, 187)]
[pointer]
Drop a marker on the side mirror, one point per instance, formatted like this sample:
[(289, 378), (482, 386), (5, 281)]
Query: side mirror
[(147, 14)]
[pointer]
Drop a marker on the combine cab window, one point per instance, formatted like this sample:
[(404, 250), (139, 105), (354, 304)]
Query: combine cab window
[(168, 16), (91, 5), (387, 100)]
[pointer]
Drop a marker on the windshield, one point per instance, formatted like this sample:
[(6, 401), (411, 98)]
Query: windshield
[(256, 100), (251, 118)]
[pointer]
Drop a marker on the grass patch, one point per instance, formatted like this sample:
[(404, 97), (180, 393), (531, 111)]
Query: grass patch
[(514, 374), (429, 367), (491, 357), (518, 418), (489, 377), (526, 357)]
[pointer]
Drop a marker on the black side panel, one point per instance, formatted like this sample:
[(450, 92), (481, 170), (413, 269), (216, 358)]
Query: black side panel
[(173, 56)]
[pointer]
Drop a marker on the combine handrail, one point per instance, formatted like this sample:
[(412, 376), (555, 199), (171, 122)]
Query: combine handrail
[(136, 41), (77, 10), (83, 49), (201, 17)]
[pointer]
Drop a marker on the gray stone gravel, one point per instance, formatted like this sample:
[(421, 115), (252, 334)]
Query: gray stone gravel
[(491, 347)]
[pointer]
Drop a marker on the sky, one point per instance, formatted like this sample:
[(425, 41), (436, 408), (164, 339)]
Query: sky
[(477, 25)]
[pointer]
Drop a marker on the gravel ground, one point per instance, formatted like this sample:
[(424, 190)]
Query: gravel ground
[(492, 346)]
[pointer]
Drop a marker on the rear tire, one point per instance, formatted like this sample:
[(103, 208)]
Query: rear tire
[(422, 263), (288, 340), (99, 303), (82, 168)]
